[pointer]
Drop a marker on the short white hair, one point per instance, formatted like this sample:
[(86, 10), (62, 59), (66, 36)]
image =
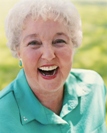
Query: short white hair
[(56, 9)]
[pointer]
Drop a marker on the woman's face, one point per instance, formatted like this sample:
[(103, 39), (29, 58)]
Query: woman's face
[(46, 52)]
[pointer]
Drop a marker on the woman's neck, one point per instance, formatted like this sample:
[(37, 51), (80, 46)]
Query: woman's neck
[(52, 100)]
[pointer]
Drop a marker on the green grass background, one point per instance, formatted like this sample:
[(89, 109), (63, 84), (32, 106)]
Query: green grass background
[(91, 55)]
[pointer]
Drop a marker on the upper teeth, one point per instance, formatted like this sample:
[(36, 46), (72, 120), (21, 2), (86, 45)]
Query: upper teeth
[(49, 68)]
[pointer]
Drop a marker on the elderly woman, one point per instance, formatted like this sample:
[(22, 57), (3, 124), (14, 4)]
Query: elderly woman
[(47, 96)]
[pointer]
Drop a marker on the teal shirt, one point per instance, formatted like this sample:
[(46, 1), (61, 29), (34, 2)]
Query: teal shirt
[(83, 109)]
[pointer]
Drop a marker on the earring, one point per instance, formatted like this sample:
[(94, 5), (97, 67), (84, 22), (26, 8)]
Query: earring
[(20, 64)]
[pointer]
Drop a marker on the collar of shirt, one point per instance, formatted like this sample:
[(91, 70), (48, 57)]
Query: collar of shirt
[(31, 109)]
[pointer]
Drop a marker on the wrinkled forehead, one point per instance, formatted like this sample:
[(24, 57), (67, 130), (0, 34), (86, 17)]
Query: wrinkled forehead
[(39, 27)]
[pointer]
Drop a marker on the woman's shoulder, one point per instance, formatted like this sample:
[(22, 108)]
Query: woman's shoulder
[(8, 109), (87, 76), (8, 104), (89, 79), (6, 96), (9, 89)]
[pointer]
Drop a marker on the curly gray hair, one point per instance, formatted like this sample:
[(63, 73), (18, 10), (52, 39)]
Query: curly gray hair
[(55, 9)]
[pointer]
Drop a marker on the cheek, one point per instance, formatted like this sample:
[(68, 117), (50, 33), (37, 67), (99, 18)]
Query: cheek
[(66, 55), (30, 56), (65, 61)]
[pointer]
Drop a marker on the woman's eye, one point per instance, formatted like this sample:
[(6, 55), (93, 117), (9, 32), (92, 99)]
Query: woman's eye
[(59, 41), (34, 43)]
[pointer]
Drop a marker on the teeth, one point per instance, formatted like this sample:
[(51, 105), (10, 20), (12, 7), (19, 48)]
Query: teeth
[(49, 68)]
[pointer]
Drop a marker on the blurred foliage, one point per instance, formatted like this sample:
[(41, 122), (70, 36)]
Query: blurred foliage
[(8, 65), (91, 55), (93, 52)]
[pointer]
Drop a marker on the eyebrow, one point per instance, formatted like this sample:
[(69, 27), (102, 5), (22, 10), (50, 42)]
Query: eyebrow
[(35, 35), (61, 33), (30, 36)]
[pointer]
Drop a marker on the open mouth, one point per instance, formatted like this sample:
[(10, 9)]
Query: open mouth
[(48, 71)]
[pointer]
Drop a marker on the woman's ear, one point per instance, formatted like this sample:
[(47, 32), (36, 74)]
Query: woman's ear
[(18, 53)]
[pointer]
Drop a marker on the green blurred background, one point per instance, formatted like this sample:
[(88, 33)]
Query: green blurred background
[(91, 55)]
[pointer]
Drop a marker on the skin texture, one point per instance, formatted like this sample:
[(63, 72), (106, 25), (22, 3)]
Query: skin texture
[(46, 43)]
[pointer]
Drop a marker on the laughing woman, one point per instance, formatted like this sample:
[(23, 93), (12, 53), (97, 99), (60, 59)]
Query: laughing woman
[(48, 96)]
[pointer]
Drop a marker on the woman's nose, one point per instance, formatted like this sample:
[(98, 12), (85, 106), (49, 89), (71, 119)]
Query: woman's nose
[(48, 53)]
